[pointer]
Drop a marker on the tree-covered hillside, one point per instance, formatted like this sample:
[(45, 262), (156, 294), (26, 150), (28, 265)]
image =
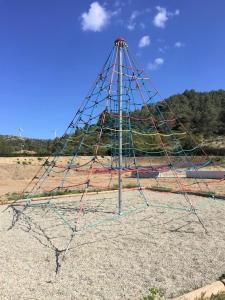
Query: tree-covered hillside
[(17, 146), (201, 113)]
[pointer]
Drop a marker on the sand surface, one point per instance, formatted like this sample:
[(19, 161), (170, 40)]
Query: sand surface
[(154, 247)]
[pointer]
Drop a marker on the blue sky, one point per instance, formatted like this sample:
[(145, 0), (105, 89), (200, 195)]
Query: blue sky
[(52, 50)]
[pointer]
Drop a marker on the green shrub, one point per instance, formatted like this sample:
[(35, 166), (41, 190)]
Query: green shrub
[(154, 294)]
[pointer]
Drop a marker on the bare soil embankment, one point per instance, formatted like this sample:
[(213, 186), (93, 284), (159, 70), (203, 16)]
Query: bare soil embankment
[(17, 172)]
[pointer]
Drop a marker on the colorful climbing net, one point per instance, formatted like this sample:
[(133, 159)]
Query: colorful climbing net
[(128, 131)]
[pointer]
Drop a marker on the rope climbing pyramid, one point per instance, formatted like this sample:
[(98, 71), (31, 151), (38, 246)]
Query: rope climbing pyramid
[(121, 126)]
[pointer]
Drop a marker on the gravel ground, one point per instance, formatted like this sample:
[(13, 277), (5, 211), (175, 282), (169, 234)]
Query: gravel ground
[(154, 247)]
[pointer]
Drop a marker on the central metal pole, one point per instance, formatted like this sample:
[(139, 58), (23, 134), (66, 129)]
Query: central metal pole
[(120, 112), (120, 43)]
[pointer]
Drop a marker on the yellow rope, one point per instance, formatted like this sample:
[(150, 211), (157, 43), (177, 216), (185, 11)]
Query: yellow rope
[(150, 134)]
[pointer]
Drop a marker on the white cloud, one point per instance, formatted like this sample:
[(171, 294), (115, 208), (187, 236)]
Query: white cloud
[(115, 12), (131, 23), (142, 25), (96, 18), (156, 64), (163, 49), (159, 61), (163, 15), (179, 45), (131, 26), (144, 41)]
